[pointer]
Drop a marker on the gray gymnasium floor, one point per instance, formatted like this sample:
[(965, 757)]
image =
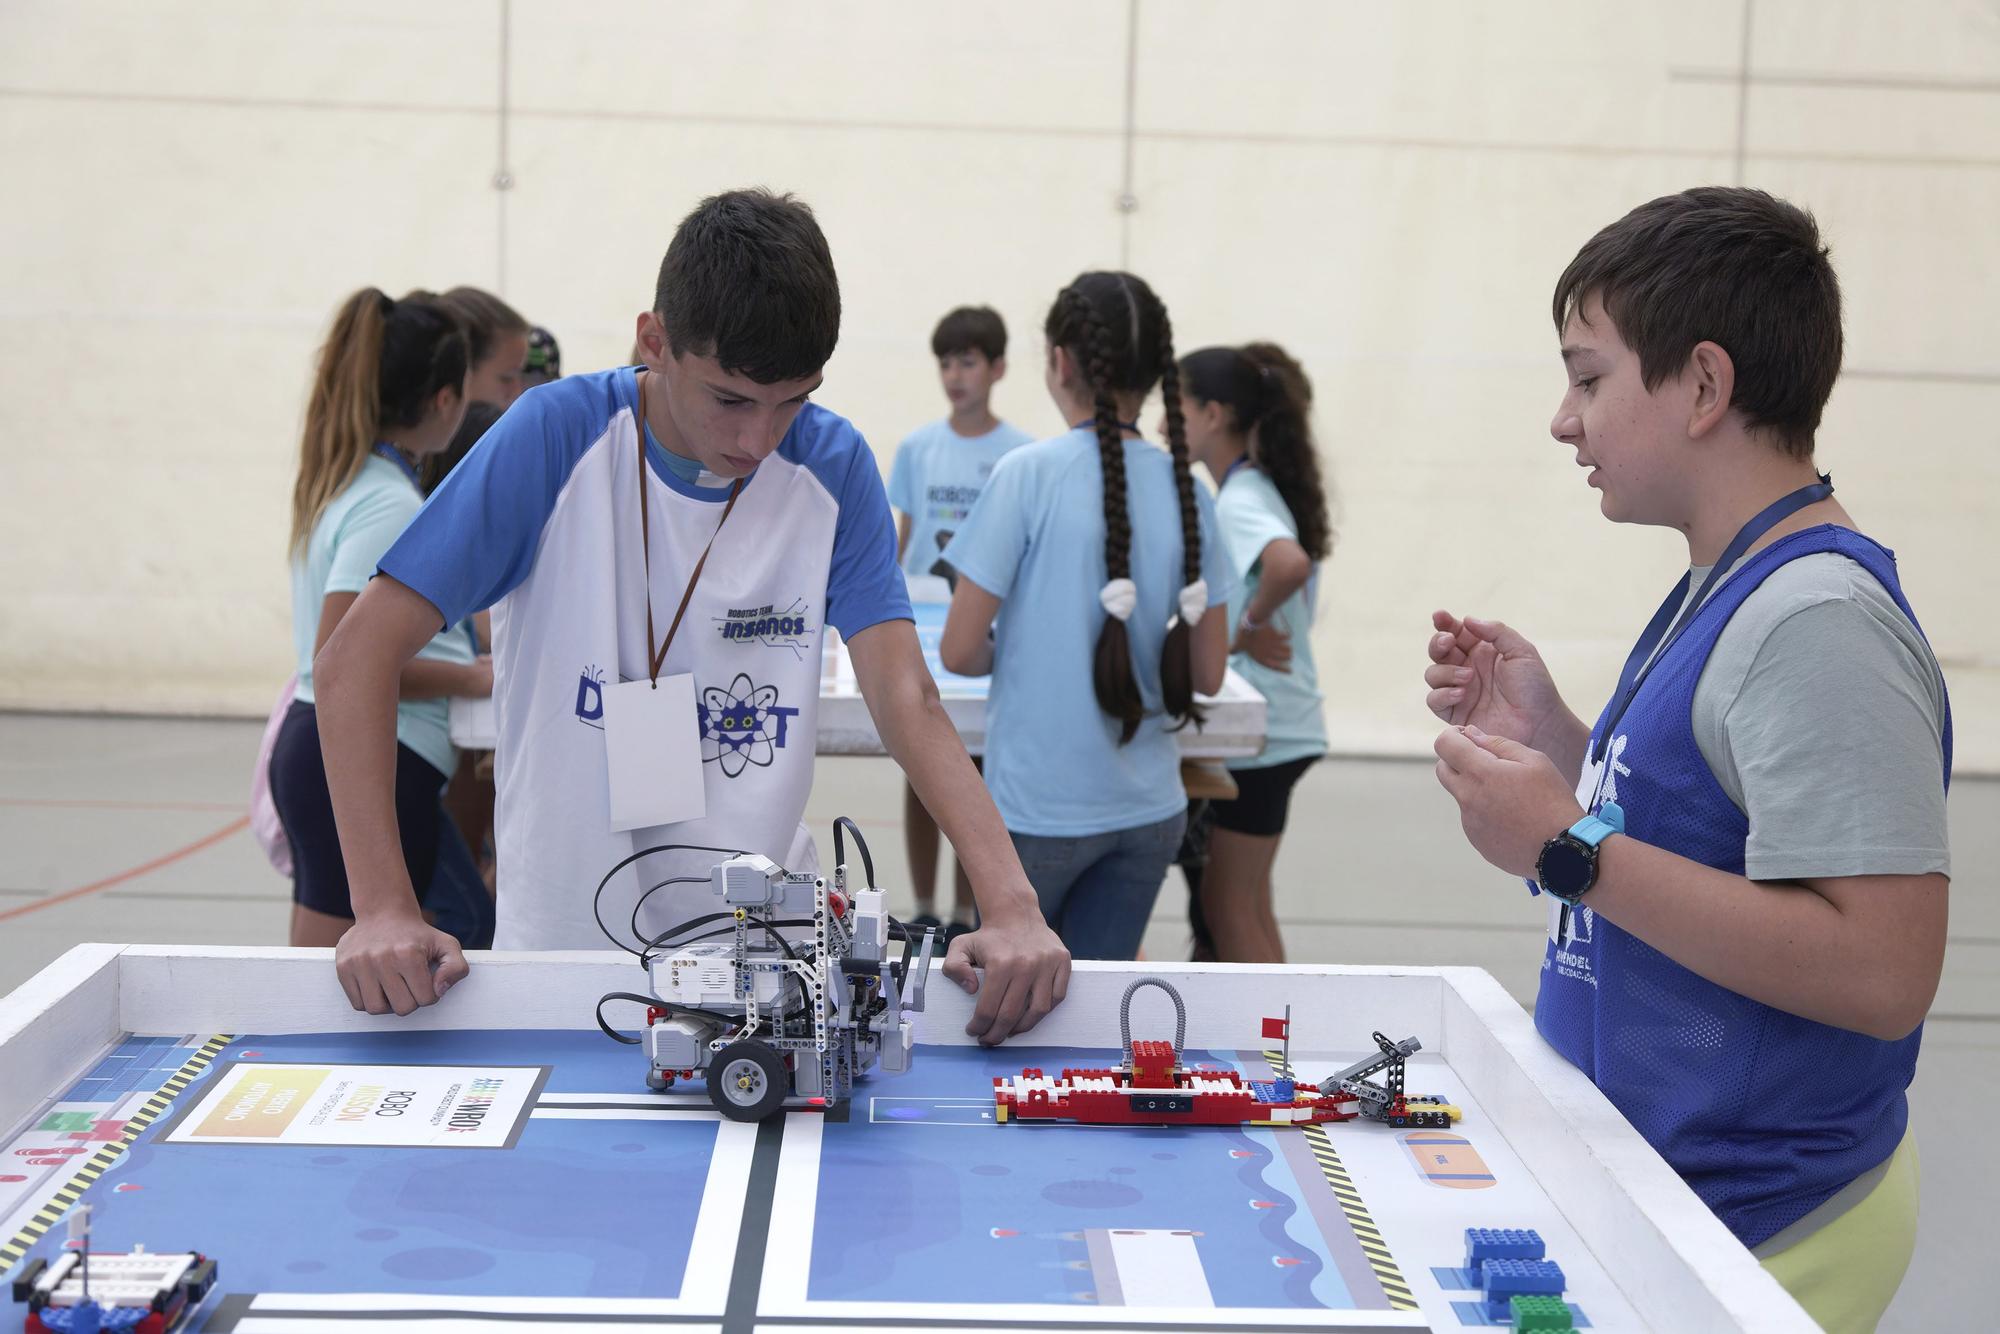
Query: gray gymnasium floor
[(131, 830)]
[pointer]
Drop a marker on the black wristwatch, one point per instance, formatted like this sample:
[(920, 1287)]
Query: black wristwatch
[(1567, 867)]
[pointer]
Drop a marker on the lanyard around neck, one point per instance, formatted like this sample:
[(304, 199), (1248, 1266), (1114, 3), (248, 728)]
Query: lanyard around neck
[(1230, 471), (395, 456), (1674, 615), (1090, 423), (655, 657)]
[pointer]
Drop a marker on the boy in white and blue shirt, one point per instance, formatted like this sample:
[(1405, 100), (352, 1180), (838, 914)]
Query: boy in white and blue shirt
[(762, 517), (939, 472)]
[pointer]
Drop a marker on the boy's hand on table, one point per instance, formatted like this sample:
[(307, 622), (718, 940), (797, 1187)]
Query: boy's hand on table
[(397, 962), (1026, 972), (1511, 798)]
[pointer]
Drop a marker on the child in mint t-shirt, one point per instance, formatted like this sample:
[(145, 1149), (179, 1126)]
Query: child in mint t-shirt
[(1248, 424), (938, 474)]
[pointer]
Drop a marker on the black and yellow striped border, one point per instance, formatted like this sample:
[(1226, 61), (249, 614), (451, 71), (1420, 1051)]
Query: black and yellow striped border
[(1366, 1234), (59, 1204)]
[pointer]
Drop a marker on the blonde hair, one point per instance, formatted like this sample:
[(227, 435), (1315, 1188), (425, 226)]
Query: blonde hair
[(382, 362)]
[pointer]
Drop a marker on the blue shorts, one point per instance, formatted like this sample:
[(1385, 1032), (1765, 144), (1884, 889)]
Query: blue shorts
[(432, 848)]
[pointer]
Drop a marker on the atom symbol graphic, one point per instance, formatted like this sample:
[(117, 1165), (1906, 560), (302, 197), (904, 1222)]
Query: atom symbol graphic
[(742, 725)]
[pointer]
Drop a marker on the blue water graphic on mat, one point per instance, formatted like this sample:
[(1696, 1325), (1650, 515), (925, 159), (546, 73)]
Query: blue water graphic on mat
[(951, 1207), (139, 1065), (599, 1208)]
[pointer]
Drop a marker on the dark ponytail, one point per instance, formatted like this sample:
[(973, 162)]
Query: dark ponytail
[(1117, 331), (1270, 401)]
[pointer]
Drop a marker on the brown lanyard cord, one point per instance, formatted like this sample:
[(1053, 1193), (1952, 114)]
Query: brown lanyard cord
[(657, 657)]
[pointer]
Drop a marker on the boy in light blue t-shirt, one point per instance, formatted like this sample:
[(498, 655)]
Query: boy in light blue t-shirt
[(939, 472)]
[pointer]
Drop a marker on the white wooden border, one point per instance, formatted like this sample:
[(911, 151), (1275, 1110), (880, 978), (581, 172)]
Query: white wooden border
[(1670, 1257)]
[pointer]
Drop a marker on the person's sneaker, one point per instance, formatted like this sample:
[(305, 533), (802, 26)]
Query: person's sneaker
[(926, 921)]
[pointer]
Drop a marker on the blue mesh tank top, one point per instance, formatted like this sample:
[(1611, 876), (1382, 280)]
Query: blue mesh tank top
[(1763, 1113)]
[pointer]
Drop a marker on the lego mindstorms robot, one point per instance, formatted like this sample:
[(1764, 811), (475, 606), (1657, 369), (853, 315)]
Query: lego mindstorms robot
[(771, 1020)]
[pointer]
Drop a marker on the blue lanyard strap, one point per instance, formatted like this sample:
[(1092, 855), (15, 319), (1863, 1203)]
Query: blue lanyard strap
[(395, 456), (1090, 423), (1230, 472), (1666, 626)]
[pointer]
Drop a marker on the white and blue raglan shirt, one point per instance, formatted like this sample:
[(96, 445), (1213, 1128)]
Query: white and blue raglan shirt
[(541, 523)]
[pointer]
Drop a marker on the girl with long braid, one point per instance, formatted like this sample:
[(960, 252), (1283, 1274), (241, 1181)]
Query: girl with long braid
[(1092, 586), (1248, 423)]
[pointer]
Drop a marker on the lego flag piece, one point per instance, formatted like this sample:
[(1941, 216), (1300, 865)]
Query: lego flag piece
[(1280, 1029)]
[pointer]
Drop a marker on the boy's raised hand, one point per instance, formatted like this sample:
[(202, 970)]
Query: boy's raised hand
[(1486, 675)]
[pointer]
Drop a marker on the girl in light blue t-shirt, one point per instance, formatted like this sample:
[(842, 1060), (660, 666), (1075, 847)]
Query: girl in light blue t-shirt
[(390, 390), (1248, 424), (1091, 586)]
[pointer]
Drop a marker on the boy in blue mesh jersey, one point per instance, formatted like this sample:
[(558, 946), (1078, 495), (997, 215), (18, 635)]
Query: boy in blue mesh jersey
[(1745, 859)]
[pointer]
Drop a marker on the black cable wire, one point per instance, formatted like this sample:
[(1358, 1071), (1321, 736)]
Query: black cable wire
[(597, 899), (840, 851), (673, 880), (771, 927), (652, 1003)]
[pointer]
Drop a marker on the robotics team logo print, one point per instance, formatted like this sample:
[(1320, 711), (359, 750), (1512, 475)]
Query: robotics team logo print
[(742, 726), (772, 626), (590, 697)]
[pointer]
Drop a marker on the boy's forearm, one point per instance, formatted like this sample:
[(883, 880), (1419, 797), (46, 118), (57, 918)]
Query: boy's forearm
[(1784, 945), (355, 686)]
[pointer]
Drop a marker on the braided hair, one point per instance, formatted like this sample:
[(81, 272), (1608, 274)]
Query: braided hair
[(1117, 330)]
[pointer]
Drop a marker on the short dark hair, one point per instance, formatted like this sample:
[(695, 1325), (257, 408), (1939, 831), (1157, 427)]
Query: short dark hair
[(970, 329), (1726, 265), (749, 281)]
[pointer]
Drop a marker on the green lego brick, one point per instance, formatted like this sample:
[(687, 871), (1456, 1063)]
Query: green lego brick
[(1541, 1315), (66, 1121)]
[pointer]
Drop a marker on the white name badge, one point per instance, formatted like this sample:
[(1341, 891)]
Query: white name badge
[(652, 749)]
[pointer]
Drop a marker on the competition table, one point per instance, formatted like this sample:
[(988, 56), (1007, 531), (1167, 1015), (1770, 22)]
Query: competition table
[(1234, 727), (494, 1162)]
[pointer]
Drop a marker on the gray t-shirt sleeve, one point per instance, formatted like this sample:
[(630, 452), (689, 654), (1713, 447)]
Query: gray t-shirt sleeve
[(1821, 715)]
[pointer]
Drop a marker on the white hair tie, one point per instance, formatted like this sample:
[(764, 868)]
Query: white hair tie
[(1120, 598), (1194, 601)]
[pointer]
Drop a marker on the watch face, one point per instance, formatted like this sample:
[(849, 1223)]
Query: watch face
[(1566, 868)]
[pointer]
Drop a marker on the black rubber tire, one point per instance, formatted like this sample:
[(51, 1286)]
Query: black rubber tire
[(747, 1081)]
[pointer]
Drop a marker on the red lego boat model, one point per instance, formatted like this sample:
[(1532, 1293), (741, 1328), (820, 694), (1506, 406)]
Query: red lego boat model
[(1154, 1087)]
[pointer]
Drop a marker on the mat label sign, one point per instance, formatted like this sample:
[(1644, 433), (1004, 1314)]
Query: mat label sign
[(408, 1106)]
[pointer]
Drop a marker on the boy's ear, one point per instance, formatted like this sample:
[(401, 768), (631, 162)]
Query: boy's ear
[(999, 365), (1712, 374), (651, 340)]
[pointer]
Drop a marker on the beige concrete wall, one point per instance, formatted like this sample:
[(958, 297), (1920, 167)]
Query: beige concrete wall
[(1389, 190)]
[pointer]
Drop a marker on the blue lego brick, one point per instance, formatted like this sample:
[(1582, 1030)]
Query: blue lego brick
[(1273, 1090), (1503, 1279), (1502, 1243)]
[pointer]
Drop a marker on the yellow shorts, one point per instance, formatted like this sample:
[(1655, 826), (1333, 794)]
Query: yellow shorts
[(1845, 1273)]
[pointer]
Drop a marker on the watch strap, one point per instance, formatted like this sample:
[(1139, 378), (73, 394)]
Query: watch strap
[(1593, 829)]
